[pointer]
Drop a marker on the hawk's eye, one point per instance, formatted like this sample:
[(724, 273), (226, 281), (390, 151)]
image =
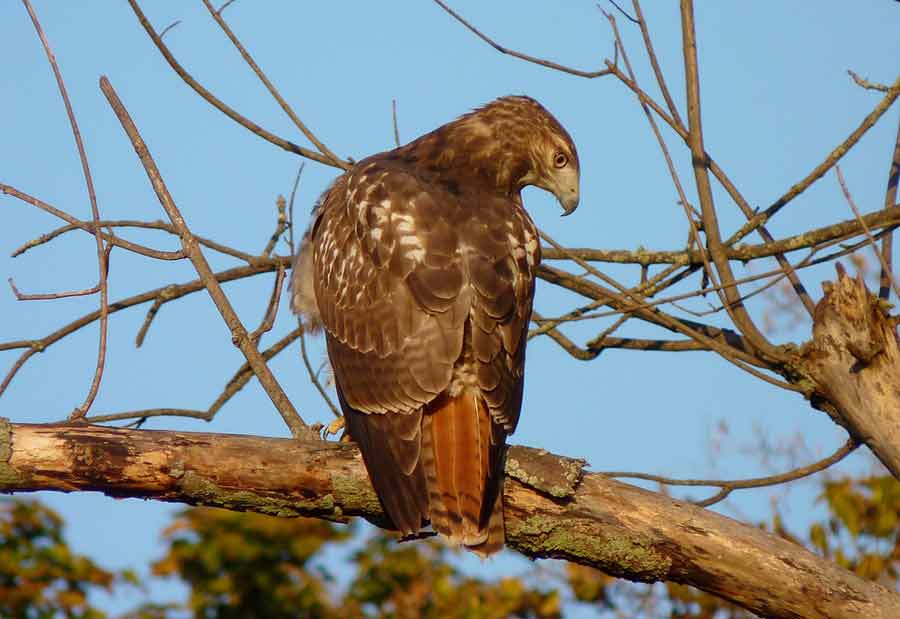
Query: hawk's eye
[(560, 160)]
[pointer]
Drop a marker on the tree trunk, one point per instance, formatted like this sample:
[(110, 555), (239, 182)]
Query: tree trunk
[(552, 509)]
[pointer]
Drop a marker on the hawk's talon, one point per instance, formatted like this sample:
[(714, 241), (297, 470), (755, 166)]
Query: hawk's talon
[(333, 428)]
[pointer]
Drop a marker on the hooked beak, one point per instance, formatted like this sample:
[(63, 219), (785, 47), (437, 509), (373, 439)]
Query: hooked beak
[(567, 192), (569, 203)]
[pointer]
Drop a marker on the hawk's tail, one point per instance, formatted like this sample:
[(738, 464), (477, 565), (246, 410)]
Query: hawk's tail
[(462, 455), (390, 446)]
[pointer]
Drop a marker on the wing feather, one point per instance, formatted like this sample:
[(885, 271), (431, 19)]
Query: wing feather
[(406, 273)]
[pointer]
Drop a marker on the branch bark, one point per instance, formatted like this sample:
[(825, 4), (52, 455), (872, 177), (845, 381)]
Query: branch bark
[(854, 360), (552, 509)]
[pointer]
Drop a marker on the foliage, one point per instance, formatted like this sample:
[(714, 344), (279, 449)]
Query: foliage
[(40, 576), (248, 565), (418, 581), (861, 531)]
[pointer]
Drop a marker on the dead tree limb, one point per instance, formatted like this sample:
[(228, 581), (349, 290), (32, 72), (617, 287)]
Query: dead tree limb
[(854, 360)]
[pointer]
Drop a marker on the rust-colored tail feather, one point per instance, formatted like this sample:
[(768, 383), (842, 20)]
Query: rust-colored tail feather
[(463, 464)]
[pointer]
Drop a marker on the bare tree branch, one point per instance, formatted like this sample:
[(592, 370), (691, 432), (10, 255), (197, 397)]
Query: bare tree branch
[(102, 251), (237, 382), (728, 486), (885, 267), (736, 310), (833, 157), (889, 217), (505, 50), (222, 107), (217, 16), (890, 198), (239, 334), (82, 225)]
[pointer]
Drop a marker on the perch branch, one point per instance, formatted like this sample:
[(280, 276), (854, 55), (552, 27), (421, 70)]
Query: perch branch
[(551, 507)]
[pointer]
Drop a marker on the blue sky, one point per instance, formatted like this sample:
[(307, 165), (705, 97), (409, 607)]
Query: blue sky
[(776, 99)]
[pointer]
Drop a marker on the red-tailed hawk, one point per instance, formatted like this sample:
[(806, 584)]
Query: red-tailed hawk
[(419, 264)]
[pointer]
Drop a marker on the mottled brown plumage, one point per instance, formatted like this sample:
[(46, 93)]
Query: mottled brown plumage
[(420, 265)]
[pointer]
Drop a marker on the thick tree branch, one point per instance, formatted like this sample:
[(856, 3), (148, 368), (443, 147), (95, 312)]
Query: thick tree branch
[(552, 509)]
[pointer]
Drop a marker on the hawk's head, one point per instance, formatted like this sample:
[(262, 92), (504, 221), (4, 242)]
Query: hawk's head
[(530, 147), (508, 144)]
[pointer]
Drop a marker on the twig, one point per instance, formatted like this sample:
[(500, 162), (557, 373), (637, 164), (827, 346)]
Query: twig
[(313, 375), (890, 198), (633, 304), (864, 83), (281, 224), (833, 157), (224, 6), (885, 267), (221, 106), (272, 309), (291, 207), (565, 343), (174, 290), (133, 223), (177, 291), (83, 225), (238, 333), (693, 233), (728, 486), (148, 320), (216, 15), (394, 117), (301, 328), (505, 50), (551, 323), (102, 252), (166, 30), (622, 11), (630, 343), (582, 312), (237, 382), (755, 221), (51, 295), (705, 334), (657, 71)]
